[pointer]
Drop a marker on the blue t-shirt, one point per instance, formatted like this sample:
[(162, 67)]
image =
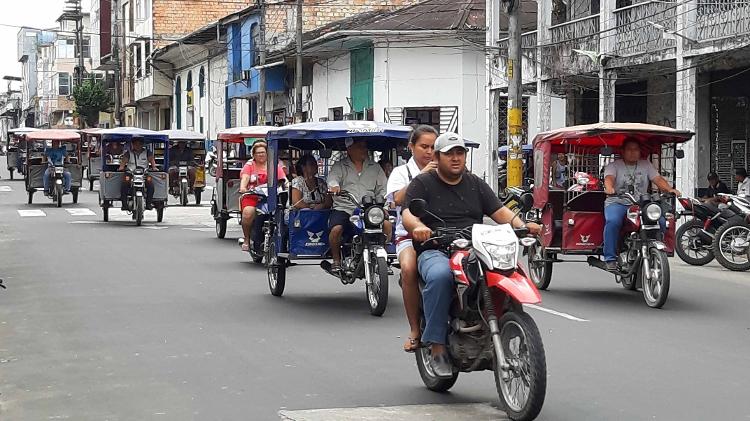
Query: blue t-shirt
[(56, 155)]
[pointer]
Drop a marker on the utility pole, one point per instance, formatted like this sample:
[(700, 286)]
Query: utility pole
[(515, 95), (116, 57), (73, 12), (262, 76), (298, 72)]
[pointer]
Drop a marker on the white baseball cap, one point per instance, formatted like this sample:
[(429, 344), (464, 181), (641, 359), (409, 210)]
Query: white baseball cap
[(447, 141)]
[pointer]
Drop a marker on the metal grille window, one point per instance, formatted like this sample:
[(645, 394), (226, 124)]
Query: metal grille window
[(503, 121), (63, 84)]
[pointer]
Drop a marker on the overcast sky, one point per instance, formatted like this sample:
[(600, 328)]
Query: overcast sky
[(33, 13)]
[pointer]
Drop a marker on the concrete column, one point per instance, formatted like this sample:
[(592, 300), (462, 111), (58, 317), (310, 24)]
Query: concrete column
[(543, 85), (686, 88), (607, 77)]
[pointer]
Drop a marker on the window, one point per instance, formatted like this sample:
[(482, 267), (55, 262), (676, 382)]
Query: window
[(65, 48), (417, 116), (189, 89), (147, 60), (236, 45), (336, 114), (138, 60), (202, 82), (86, 47), (131, 17), (63, 84), (178, 103)]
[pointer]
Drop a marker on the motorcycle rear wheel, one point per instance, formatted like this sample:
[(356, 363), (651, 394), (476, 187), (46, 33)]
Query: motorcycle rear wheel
[(656, 286), (276, 268), (524, 353), (540, 272), (433, 382), (685, 237), (725, 240), (377, 293)]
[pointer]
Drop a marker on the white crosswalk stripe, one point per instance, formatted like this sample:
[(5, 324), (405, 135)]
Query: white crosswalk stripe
[(26, 213), (6, 189), (81, 212), (456, 412)]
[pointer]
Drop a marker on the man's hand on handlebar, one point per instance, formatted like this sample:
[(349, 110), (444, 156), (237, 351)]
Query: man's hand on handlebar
[(421, 234), (534, 228), (334, 190)]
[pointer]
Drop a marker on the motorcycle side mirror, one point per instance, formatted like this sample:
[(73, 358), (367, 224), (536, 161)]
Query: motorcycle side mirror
[(606, 151), (418, 207), (679, 154), (527, 201), (326, 153)]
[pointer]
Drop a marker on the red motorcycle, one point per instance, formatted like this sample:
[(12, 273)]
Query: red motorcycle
[(489, 329)]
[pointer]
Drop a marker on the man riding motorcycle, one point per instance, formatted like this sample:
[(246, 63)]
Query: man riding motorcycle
[(633, 175), (55, 156), (136, 157), (360, 176), (455, 199), (181, 153)]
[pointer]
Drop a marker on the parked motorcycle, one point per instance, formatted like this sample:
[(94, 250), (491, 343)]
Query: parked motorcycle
[(731, 245), (643, 261), (489, 329), (694, 238), (366, 257), (211, 161)]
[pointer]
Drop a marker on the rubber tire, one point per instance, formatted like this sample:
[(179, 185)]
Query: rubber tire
[(138, 211), (277, 270), (11, 173), (542, 283), (198, 193), (212, 171), (631, 284), (735, 267), (664, 263), (105, 211), (380, 264), (682, 230), (221, 227), (537, 368), (436, 384), (31, 196), (160, 213), (59, 195), (183, 197), (74, 192), (91, 185)]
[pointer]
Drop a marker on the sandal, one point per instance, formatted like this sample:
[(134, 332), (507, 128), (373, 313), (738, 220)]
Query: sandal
[(245, 247), (413, 345)]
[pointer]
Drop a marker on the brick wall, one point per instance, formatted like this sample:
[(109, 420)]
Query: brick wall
[(281, 18), (176, 18)]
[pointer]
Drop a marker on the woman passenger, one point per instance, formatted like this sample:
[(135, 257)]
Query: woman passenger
[(254, 173), (308, 190)]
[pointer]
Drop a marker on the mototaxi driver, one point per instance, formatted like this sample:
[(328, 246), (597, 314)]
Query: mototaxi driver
[(181, 153), (460, 199), (136, 157), (56, 155), (629, 174)]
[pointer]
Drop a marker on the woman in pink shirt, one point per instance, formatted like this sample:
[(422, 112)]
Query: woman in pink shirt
[(254, 173)]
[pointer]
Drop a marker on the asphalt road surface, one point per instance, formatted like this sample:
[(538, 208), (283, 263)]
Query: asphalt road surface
[(166, 322)]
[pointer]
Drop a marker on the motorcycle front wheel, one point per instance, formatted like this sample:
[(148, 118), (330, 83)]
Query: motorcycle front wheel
[(138, 211), (58, 195), (656, 280), (522, 386), (377, 291), (689, 246), (732, 246), (539, 270), (276, 267), (424, 366)]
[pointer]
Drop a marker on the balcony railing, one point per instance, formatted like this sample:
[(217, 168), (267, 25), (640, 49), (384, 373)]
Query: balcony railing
[(558, 56), (529, 54), (718, 19), (635, 35)]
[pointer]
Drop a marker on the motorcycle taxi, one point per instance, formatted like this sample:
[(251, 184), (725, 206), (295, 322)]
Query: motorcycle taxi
[(111, 178), (92, 155), (180, 188), (15, 149), (573, 219), (301, 236), (37, 165)]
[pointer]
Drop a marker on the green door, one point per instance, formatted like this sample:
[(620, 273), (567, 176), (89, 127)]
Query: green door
[(362, 69)]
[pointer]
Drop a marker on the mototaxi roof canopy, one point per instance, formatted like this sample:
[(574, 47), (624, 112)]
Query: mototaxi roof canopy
[(239, 134), (62, 135), (333, 134), (187, 135), (591, 138), (119, 134), (22, 130)]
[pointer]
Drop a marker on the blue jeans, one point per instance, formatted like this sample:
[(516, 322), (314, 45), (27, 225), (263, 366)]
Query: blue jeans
[(614, 216), (50, 173), (434, 267)]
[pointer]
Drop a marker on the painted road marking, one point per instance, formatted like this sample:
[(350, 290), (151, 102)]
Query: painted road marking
[(81, 212), (456, 412), (154, 227), (24, 213), (87, 222), (6, 189), (556, 313)]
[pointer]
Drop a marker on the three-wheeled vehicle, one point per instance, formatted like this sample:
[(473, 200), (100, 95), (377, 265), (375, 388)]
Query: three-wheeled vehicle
[(231, 155), (302, 235), (120, 139), (573, 218), (92, 156), (37, 165), (180, 187), (15, 150)]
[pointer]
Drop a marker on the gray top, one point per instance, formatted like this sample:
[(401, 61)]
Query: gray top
[(639, 176), (371, 181)]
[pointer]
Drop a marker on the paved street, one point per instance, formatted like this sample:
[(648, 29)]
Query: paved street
[(166, 322)]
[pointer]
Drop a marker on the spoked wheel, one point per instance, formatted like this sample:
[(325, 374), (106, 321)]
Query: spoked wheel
[(628, 282), (732, 246), (539, 270), (138, 211), (58, 195), (655, 276), (377, 291), (522, 383), (690, 247), (221, 227), (276, 269), (432, 381)]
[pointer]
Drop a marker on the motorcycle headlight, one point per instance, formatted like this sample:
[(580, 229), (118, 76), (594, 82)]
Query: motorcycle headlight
[(653, 212), (503, 255), (375, 216), (58, 170)]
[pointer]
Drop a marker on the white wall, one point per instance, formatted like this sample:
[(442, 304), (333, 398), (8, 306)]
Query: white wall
[(331, 85), (557, 119), (216, 95)]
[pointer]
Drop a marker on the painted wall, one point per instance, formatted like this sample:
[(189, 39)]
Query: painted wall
[(242, 59), (331, 86)]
